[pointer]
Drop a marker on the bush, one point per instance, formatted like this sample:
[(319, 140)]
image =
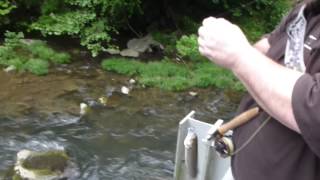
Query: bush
[(37, 66), (93, 21), (5, 8), (187, 46), (96, 22)]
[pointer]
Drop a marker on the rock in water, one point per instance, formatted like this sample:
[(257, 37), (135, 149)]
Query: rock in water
[(192, 93), (49, 165), (103, 100), (125, 90), (132, 81), (84, 109)]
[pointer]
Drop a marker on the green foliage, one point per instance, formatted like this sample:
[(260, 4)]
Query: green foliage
[(40, 50), (188, 25), (93, 36), (165, 75), (33, 55), (37, 66), (122, 65), (171, 76), (187, 46), (13, 39), (93, 21), (253, 28), (69, 23), (207, 74), (168, 40), (261, 17), (6, 7)]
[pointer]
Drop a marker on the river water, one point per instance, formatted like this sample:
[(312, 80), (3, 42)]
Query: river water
[(132, 137)]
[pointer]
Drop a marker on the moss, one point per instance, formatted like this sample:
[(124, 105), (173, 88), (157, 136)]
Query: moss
[(172, 76), (16, 177), (46, 163)]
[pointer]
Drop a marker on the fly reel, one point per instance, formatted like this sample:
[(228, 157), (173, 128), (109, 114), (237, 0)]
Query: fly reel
[(223, 143), (224, 146)]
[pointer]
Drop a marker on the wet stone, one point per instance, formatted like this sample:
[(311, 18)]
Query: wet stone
[(49, 165)]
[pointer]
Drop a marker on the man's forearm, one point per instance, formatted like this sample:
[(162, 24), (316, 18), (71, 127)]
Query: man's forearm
[(262, 45), (270, 84)]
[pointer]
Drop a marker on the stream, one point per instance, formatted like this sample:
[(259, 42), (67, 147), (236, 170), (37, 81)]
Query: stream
[(132, 137)]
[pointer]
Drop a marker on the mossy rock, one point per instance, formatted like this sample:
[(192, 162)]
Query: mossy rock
[(41, 165), (47, 161)]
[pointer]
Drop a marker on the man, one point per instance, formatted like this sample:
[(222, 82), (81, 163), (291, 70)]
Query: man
[(282, 74)]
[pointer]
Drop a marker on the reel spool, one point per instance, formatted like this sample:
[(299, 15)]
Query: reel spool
[(224, 146)]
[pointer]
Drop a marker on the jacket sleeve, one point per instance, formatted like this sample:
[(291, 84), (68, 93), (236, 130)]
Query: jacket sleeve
[(306, 109)]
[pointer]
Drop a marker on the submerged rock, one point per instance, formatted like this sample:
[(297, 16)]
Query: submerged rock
[(125, 90), (49, 165)]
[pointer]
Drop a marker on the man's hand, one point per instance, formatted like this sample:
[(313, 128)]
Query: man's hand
[(222, 42), (226, 45)]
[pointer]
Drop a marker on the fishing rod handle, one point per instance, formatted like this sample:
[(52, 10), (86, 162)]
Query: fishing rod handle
[(239, 120)]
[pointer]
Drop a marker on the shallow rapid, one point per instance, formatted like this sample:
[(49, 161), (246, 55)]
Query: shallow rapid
[(131, 137)]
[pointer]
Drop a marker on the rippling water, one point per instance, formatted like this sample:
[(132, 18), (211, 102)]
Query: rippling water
[(133, 137)]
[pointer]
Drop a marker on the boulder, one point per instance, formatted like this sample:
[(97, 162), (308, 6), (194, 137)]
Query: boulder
[(10, 68), (49, 165), (129, 53), (113, 51), (143, 44)]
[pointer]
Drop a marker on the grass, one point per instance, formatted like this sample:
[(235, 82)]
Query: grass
[(33, 56), (172, 76)]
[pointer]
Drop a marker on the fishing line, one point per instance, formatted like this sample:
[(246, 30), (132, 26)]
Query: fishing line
[(251, 137)]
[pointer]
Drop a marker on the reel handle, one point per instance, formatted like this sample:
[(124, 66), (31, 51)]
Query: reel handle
[(238, 120)]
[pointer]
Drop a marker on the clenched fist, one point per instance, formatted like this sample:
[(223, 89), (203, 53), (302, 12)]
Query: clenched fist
[(222, 42)]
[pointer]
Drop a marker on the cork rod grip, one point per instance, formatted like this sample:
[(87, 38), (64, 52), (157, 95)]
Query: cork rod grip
[(239, 120)]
